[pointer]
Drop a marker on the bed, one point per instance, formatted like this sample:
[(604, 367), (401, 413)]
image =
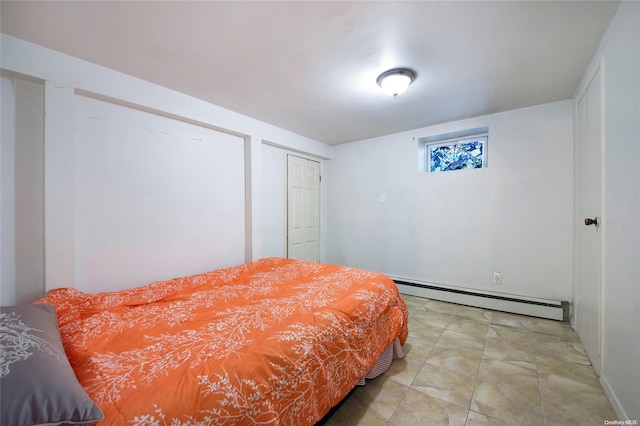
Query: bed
[(276, 341)]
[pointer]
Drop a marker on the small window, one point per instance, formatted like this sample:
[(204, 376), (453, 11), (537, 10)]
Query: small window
[(455, 151), (457, 155)]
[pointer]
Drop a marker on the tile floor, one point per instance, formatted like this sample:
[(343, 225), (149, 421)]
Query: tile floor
[(471, 366)]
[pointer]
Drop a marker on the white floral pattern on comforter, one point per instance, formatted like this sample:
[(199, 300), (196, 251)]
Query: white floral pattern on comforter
[(276, 341)]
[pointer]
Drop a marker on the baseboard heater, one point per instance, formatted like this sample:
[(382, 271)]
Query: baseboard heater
[(542, 308)]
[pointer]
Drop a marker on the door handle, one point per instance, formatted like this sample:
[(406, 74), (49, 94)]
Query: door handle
[(593, 221)]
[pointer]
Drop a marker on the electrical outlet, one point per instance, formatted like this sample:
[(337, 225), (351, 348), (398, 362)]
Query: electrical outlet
[(497, 278)]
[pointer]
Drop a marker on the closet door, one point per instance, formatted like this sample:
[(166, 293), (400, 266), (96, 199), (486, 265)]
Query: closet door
[(589, 220), (303, 209)]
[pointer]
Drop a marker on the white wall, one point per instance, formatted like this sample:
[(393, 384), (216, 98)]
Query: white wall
[(456, 228), (46, 64), (67, 248), (29, 193), (620, 50), (7, 191), (274, 175), (154, 197), (22, 190)]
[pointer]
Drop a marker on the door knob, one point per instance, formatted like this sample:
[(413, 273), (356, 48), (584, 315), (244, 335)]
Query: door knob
[(593, 221)]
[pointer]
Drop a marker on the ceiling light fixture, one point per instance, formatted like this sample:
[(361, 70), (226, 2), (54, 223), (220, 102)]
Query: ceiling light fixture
[(394, 82)]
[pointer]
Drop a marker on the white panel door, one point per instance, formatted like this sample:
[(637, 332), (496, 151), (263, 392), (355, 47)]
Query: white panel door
[(303, 208), (588, 214)]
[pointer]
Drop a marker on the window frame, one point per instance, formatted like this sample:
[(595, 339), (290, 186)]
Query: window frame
[(427, 144)]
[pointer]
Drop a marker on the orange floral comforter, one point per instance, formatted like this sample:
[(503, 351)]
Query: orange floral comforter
[(276, 341)]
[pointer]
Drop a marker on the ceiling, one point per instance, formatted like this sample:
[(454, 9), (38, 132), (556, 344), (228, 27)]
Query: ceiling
[(311, 66)]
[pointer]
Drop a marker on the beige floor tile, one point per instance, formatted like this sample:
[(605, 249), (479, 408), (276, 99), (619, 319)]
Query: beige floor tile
[(453, 339), (468, 312), (471, 327), (567, 401), (519, 322), (509, 334), (553, 347), (412, 312), (418, 408), (457, 352), (353, 415), (439, 319), (554, 328), (555, 364), (508, 392), (510, 352), (416, 348), (439, 306), (474, 418), (379, 396), (414, 302), (478, 367), (427, 332), (507, 345), (404, 371), (445, 384)]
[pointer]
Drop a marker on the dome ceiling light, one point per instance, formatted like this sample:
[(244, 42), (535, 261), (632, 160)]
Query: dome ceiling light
[(395, 81)]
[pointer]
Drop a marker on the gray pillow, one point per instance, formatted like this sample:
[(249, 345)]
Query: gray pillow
[(37, 384)]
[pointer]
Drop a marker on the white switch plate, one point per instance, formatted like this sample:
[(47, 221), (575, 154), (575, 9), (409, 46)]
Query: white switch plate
[(497, 278)]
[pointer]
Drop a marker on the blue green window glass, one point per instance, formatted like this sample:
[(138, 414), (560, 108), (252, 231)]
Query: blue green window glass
[(457, 155)]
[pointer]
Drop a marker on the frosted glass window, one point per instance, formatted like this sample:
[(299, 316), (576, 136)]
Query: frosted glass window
[(461, 154)]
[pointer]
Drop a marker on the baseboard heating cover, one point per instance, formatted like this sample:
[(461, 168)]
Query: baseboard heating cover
[(542, 308)]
